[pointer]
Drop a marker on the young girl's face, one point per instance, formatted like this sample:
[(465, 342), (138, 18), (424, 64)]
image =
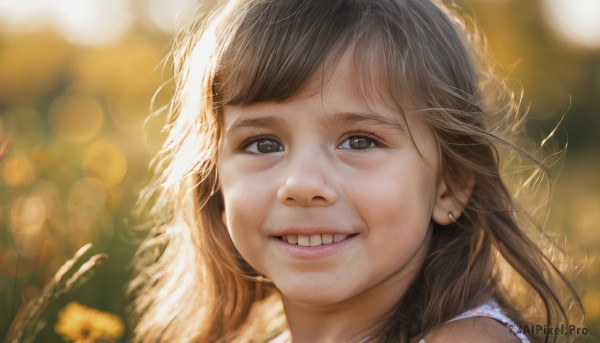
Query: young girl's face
[(327, 195)]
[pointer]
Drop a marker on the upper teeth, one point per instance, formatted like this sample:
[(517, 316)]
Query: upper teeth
[(313, 240)]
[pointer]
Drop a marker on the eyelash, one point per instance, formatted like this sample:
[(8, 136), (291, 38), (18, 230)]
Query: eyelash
[(245, 144), (364, 134), (243, 148)]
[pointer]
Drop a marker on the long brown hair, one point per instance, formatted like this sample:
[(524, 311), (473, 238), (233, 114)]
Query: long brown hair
[(193, 285)]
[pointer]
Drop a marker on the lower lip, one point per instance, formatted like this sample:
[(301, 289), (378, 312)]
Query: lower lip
[(319, 251)]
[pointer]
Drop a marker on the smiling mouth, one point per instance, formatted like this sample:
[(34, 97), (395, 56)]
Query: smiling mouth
[(314, 240)]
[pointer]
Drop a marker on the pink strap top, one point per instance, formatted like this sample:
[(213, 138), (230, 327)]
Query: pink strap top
[(491, 309)]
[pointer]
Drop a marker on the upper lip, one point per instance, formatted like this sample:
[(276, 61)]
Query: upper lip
[(312, 231)]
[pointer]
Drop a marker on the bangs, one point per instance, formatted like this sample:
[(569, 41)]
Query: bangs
[(278, 49), (410, 53)]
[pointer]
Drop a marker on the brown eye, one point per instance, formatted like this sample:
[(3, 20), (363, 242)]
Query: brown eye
[(264, 146), (358, 143)]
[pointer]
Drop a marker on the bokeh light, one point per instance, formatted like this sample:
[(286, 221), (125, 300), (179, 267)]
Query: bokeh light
[(171, 16), (576, 20), (27, 218), (87, 22), (105, 160), (18, 170), (53, 203), (28, 215), (85, 203), (76, 118)]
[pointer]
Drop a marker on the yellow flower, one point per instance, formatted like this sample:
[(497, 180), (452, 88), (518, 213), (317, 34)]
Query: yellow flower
[(82, 324)]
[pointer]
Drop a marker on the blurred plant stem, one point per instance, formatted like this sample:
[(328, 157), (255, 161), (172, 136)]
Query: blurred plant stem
[(4, 147), (29, 321)]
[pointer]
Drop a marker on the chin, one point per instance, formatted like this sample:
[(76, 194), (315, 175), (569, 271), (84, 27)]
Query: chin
[(314, 294)]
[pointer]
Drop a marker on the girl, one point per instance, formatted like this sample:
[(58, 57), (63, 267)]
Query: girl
[(331, 174)]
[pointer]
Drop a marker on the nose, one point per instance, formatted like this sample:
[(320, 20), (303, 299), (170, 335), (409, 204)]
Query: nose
[(309, 180)]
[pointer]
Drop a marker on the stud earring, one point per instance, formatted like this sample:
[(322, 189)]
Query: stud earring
[(451, 216)]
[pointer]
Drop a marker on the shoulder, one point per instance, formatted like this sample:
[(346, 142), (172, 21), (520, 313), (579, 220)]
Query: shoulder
[(474, 329)]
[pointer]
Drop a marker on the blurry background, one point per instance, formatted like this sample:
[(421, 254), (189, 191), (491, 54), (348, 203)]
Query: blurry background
[(76, 82)]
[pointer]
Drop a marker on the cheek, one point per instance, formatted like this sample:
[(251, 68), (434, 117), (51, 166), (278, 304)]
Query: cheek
[(240, 221), (242, 208), (406, 194), (246, 206), (396, 207), (398, 219)]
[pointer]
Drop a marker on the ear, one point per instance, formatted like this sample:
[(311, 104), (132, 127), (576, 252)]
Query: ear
[(453, 202)]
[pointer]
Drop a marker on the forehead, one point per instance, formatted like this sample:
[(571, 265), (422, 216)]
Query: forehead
[(350, 76)]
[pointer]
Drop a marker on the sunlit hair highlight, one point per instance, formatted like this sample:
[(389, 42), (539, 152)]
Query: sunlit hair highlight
[(192, 284)]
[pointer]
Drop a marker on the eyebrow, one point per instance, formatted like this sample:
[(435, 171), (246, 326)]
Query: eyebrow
[(346, 118), (339, 118), (270, 122)]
